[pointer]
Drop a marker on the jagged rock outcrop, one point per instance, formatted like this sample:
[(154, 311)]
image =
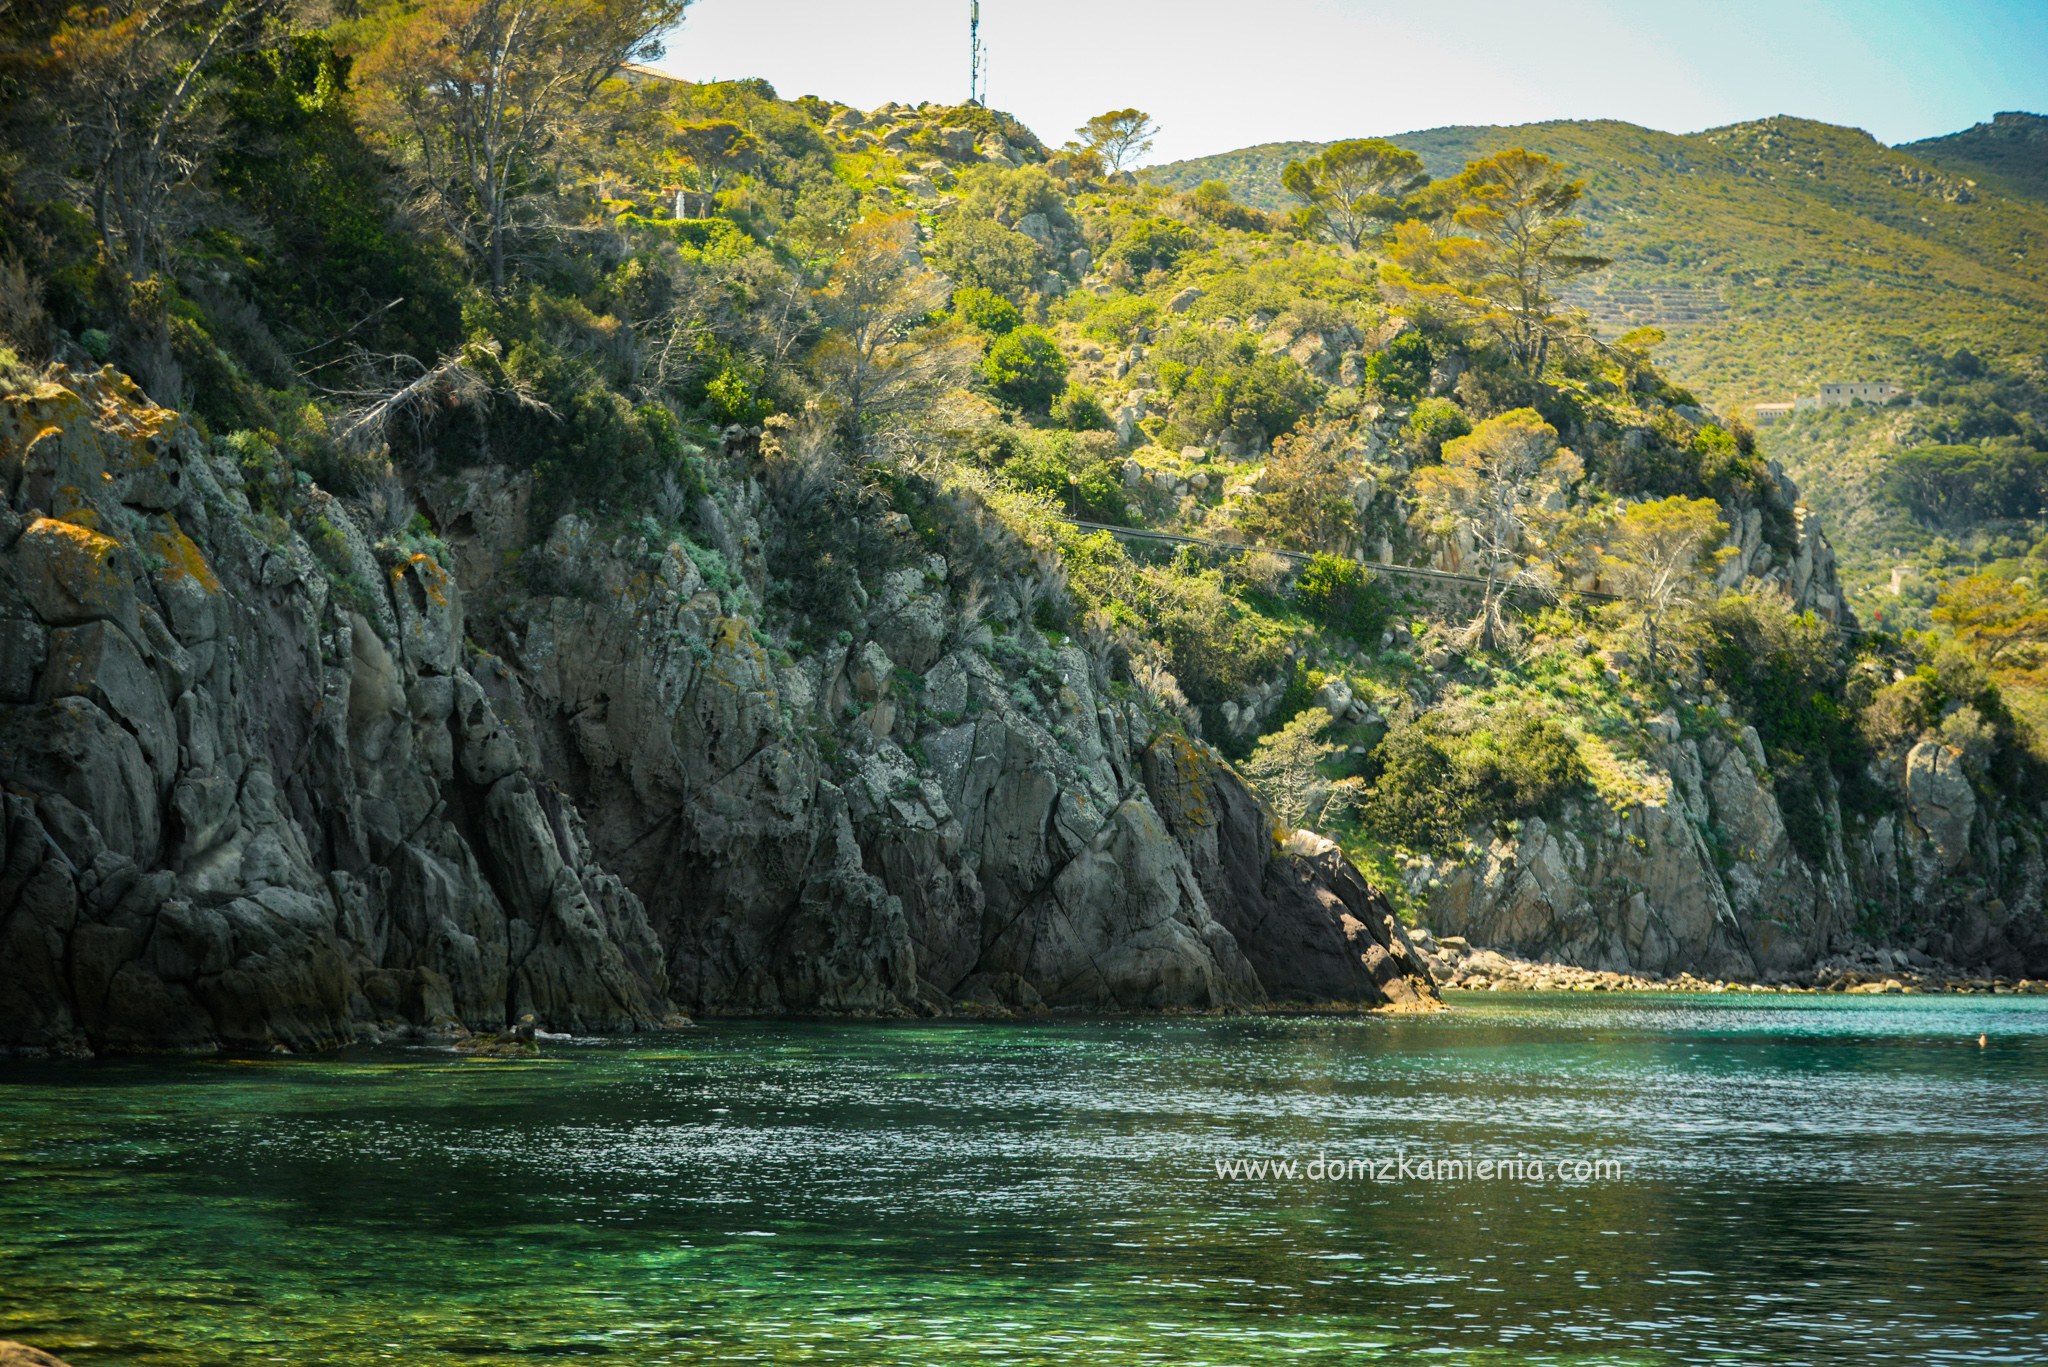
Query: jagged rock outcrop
[(262, 786), (1804, 572), (1707, 879), (1282, 909), (236, 809), (1703, 881)]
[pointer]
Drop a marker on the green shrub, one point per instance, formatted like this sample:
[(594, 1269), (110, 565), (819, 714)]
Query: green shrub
[(985, 311), (1118, 319), (1439, 775), (1150, 244), (1399, 371), (1080, 411), (1025, 368), (1080, 472), (1727, 471), (1714, 462), (1434, 422), (983, 255), (733, 394), (1217, 382), (1344, 596), (1211, 201), (1786, 673), (704, 234), (1783, 669), (1008, 194), (1219, 648)]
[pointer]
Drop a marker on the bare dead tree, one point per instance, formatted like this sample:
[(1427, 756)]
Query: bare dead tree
[(457, 379)]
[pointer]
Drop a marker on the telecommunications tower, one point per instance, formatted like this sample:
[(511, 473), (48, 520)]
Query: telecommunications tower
[(977, 56)]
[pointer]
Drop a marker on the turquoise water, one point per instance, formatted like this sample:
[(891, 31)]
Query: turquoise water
[(1802, 1180)]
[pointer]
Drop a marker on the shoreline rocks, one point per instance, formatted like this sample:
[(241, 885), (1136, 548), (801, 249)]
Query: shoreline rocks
[(1458, 967)]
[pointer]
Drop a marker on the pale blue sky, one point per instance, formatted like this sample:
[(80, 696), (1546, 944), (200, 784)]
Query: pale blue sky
[(1219, 76)]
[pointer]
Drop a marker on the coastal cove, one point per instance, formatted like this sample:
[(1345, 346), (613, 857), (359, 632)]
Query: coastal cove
[(1820, 1179)]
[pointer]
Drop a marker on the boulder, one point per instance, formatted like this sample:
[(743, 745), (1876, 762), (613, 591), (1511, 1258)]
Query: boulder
[(1037, 227), (14, 1354)]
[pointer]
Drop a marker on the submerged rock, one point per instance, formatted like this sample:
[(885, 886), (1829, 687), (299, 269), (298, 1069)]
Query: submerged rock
[(14, 1354)]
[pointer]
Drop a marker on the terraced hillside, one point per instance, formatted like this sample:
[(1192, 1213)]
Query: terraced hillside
[(1775, 254)]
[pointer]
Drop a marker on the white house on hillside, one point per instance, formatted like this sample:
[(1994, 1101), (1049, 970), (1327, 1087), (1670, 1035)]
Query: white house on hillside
[(1830, 396)]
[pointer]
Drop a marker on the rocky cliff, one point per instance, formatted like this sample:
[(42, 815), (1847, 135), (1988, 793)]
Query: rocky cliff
[(1703, 876), (273, 781), (1707, 881)]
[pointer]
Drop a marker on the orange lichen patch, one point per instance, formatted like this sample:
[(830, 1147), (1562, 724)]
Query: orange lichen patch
[(183, 560), (80, 555), (433, 579), (124, 409), (51, 408), (734, 636), (1191, 768), (87, 540)]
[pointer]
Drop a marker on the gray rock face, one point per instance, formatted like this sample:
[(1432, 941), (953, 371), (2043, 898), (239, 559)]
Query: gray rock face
[(1710, 882), (1940, 805), (239, 813), (1703, 881), (261, 789)]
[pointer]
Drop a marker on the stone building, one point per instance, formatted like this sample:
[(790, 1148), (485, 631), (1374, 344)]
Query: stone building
[(1842, 395), (1830, 396)]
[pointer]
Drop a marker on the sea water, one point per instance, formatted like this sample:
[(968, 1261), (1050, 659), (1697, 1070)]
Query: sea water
[(1520, 1179)]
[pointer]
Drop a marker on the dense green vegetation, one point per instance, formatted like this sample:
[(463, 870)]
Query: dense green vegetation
[(1953, 481), (1927, 500), (920, 330), (1778, 254)]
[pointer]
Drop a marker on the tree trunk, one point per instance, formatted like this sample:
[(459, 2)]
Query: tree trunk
[(497, 260)]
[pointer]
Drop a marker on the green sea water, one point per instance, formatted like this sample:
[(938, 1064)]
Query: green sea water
[(1801, 1180)]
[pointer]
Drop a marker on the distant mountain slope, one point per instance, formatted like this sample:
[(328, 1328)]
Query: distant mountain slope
[(1776, 254), (2010, 153)]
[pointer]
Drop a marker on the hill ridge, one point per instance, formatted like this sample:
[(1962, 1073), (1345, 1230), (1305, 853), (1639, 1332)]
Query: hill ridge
[(1816, 251)]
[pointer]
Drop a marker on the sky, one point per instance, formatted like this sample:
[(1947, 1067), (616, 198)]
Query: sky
[(1221, 76)]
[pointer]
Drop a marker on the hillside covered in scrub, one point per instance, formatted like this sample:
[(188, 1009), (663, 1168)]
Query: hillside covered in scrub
[(1779, 254), (563, 542)]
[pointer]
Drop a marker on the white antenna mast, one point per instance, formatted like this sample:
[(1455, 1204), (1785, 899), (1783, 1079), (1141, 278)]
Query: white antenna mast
[(977, 57)]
